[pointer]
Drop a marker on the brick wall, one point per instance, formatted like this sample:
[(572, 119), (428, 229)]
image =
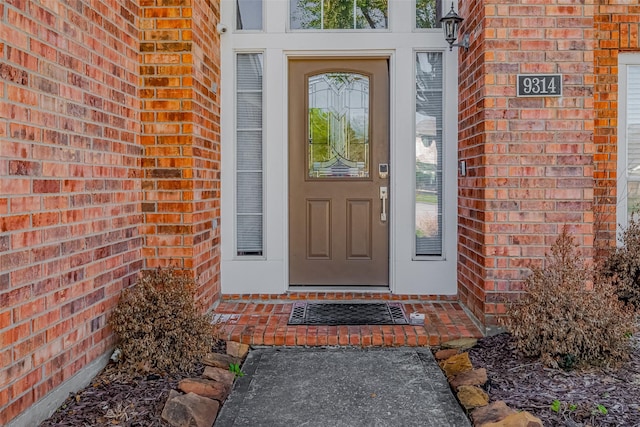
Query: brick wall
[(529, 160), (206, 148), (617, 24), (109, 123), (180, 135), (471, 135), (69, 187)]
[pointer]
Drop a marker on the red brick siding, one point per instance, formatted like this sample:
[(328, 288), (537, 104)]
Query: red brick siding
[(69, 188), (206, 148), (529, 160), (471, 194), (167, 128), (616, 30), (180, 135)]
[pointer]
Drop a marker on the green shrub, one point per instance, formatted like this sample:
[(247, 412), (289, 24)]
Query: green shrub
[(622, 266), (565, 318), (159, 326)]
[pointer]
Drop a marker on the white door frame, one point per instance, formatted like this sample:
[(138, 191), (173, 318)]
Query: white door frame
[(625, 59), (269, 274)]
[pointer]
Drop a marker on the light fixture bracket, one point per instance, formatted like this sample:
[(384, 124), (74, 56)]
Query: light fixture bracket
[(463, 43)]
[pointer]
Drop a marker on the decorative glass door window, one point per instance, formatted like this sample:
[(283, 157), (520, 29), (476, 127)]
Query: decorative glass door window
[(428, 142), (338, 125), (338, 14)]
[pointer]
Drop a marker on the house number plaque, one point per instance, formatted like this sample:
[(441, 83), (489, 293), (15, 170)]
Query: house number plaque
[(539, 84)]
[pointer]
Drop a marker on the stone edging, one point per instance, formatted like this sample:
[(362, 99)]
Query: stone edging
[(467, 384), (199, 400)]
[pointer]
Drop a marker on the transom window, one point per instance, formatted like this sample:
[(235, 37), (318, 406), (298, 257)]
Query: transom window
[(248, 14), (428, 13), (337, 14)]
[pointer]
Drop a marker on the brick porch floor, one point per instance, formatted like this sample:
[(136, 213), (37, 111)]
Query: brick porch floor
[(262, 320)]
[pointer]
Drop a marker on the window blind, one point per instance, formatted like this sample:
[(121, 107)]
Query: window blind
[(249, 164)]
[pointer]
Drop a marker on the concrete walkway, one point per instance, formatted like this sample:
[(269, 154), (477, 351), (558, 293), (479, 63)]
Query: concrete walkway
[(337, 387)]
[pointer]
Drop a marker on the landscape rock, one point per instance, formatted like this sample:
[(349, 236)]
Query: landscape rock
[(474, 377), (237, 349), (460, 344), (218, 360), (205, 388), (224, 376), (456, 365), (189, 410), (520, 419), (472, 397), (445, 354), (496, 411)]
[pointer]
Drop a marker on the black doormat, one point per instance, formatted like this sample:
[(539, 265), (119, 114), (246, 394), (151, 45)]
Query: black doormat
[(347, 314)]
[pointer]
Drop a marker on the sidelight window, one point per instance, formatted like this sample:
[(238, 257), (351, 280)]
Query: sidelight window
[(629, 136), (428, 154), (249, 160)]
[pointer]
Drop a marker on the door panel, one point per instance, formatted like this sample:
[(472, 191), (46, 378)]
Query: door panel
[(319, 229), (338, 137), (359, 228)]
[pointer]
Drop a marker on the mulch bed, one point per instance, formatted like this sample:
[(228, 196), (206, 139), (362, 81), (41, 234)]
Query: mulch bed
[(116, 399), (525, 384)]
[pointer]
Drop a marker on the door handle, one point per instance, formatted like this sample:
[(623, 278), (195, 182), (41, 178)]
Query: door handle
[(384, 195)]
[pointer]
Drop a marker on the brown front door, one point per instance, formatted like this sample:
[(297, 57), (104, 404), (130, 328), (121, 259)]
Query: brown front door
[(338, 171)]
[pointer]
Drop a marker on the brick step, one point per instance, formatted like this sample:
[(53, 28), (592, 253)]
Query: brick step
[(265, 323)]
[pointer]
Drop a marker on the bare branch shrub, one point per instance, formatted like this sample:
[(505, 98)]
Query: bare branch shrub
[(565, 318), (622, 265), (159, 325)]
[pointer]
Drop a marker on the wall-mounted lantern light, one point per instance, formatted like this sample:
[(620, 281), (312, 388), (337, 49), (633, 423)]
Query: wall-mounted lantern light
[(451, 24)]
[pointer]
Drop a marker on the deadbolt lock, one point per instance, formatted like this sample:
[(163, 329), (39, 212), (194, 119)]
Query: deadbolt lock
[(383, 170)]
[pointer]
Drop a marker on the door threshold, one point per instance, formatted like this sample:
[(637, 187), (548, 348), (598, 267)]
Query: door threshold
[(331, 289)]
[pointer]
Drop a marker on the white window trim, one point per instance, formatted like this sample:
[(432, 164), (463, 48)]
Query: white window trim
[(624, 60)]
